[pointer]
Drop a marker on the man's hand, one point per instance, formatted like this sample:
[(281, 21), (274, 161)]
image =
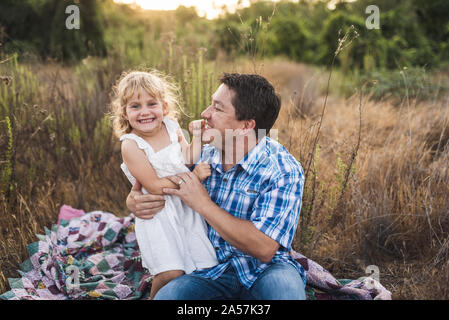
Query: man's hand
[(238, 232), (144, 206), (191, 191)]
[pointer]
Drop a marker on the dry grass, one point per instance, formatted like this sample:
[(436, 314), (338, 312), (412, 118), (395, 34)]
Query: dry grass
[(394, 211), (389, 209)]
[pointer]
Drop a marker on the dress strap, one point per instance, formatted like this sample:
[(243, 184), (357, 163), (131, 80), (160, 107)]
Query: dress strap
[(172, 128), (141, 143)]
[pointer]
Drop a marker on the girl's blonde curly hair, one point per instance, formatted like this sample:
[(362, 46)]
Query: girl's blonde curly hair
[(156, 84)]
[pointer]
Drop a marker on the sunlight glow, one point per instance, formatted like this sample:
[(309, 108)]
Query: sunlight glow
[(209, 8)]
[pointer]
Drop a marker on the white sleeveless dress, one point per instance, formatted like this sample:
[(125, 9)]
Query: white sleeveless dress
[(176, 238)]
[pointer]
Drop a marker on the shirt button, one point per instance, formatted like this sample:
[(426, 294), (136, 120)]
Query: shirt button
[(225, 180)]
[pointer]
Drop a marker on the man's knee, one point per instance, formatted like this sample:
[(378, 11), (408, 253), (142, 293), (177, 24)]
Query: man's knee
[(280, 281)]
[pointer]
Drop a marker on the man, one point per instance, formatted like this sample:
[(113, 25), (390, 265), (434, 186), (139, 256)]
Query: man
[(251, 201)]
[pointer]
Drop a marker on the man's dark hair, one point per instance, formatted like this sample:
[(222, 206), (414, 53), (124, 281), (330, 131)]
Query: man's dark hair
[(254, 98)]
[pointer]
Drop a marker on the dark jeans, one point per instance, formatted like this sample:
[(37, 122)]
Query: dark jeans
[(280, 281)]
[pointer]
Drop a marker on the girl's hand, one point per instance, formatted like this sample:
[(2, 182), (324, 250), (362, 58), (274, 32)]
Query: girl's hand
[(197, 128), (202, 170)]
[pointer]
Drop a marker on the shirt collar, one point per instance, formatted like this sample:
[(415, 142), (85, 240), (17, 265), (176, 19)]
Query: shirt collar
[(249, 161), (215, 159)]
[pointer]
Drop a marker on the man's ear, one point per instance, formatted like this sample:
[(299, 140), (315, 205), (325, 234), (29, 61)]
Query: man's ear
[(248, 125)]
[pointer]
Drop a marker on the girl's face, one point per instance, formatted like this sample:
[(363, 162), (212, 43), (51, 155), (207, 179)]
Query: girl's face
[(144, 113)]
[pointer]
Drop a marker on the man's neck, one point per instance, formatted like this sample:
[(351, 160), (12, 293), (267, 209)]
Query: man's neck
[(233, 154)]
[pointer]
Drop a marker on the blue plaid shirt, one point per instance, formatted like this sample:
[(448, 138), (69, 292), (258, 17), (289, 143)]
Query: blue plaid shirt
[(265, 187)]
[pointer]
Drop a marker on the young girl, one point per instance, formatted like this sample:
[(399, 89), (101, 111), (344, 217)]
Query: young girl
[(175, 241)]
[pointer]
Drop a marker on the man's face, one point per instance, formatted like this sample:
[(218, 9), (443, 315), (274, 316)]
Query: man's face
[(221, 119)]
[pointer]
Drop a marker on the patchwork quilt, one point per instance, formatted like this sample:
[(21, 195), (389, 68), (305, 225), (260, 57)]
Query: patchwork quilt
[(95, 255)]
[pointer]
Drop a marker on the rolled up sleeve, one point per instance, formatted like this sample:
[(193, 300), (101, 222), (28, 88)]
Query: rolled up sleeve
[(276, 211)]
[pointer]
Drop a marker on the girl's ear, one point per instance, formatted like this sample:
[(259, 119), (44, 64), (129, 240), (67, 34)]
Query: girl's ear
[(123, 113), (165, 108)]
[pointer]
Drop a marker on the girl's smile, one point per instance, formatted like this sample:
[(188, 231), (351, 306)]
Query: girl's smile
[(144, 113)]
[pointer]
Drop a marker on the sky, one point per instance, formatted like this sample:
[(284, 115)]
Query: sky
[(208, 8)]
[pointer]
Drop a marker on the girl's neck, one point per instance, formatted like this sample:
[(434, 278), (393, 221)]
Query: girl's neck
[(157, 139)]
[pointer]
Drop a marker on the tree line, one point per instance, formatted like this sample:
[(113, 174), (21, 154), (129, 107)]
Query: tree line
[(411, 33)]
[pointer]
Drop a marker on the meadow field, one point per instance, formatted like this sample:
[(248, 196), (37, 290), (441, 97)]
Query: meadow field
[(375, 150)]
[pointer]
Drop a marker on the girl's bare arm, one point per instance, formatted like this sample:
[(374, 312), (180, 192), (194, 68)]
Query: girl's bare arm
[(192, 151), (139, 166)]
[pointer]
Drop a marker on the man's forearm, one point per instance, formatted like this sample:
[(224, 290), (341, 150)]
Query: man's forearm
[(240, 233)]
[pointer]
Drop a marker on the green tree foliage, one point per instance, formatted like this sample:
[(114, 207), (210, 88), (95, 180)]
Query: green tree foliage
[(229, 36), (434, 18), (289, 37), (39, 26), (186, 14), (333, 29), (412, 33)]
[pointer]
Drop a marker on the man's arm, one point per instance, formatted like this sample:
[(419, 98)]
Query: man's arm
[(240, 233), (144, 206)]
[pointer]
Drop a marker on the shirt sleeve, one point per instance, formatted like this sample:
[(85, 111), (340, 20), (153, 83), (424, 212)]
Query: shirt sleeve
[(276, 212)]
